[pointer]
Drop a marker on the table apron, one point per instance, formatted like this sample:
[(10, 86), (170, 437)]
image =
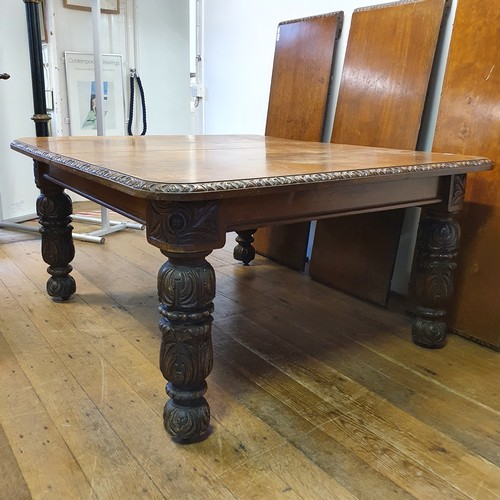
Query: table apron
[(278, 206), (118, 201), (329, 201)]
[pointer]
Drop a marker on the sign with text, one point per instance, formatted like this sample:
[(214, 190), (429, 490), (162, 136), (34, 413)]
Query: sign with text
[(82, 102)]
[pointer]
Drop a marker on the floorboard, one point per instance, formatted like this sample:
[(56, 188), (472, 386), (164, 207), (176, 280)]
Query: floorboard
[(313, 394)]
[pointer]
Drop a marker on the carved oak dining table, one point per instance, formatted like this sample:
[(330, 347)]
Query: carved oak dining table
[(189, 191)]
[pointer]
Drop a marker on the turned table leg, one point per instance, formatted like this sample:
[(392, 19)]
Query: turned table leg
[(186, 233), (435, 262), (54, 209), (244, 251), (186, 289)]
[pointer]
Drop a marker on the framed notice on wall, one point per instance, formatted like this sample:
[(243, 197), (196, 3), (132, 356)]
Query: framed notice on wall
[(80, 81)]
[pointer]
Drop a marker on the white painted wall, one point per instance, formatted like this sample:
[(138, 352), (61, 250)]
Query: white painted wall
[(239, 40), (163, 54), (17, 189), (158, 45), (151, 36)]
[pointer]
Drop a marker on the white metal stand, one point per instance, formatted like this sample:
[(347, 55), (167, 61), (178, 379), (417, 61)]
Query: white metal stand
[(107, 226), (34, 229)]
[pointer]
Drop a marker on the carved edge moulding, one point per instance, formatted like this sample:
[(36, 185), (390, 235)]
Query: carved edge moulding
[(135, 183)]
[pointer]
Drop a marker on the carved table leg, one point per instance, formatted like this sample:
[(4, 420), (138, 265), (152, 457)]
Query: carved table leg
[(54, 209), (244, 251), (435, 262), (186, 289)]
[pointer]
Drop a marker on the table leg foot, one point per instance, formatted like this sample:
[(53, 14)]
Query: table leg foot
[(428, 333), (435, 262), (244, 251), (186, 289), (184, 418), (54, 209)]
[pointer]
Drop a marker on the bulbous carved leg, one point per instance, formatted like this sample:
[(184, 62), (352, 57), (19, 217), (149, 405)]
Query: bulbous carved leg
[(54, 209), (244, 251), (435, 261), (186, 289)]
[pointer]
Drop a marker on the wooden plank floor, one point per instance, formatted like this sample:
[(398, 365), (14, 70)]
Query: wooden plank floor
[(313, 394)]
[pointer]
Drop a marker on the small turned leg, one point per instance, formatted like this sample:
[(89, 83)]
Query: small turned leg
[(186, 289), (54, 209), (244, 251), (435, 262)]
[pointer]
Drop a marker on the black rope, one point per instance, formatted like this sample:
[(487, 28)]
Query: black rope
[(133, 78)]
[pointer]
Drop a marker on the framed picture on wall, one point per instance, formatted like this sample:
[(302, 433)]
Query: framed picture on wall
[(107, 6), (81, 86)]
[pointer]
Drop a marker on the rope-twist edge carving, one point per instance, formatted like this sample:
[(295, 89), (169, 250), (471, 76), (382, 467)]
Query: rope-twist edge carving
[(131, 182)]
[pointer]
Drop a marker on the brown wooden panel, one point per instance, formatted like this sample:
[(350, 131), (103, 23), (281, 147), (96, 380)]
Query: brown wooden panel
[(384, 82), (468, 121), (301, 77), (298, 97), (333, 268), (284, 244)]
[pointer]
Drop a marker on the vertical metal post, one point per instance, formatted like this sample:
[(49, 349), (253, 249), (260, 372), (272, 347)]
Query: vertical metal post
[(99, 94), (96, 30), (41, 118)]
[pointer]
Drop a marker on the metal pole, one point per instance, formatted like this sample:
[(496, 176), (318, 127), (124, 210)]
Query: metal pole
[(41, 118), (99, 94), (96, 30)]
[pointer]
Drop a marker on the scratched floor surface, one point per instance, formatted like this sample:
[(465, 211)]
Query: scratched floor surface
[(313, 394)]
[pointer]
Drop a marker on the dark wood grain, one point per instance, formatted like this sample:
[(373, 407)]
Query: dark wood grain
[(468, 122), (387, 67)]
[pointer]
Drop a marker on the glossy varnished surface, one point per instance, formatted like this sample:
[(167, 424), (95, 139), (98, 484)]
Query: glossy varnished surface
[(382, 93), (228, 165), (302, 68), (300, 82), (469, 123), (386, 73)]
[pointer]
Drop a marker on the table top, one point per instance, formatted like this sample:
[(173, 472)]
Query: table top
[(227, 164)]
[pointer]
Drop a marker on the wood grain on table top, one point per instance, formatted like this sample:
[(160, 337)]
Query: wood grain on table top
[(215, 162)]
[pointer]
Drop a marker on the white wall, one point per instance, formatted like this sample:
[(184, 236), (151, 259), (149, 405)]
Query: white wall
[(17, 189), (163, 53), (152, 36), (239, 40), (71, 30)]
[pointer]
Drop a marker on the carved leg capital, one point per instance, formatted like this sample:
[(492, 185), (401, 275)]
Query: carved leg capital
[(435, 262), (186, 289), (54, 209), (244, 251)]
